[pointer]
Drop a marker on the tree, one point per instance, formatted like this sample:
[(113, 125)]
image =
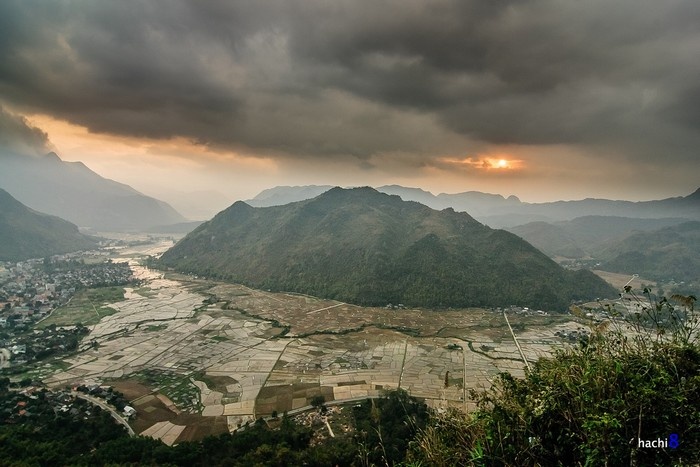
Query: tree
[(319, 402)]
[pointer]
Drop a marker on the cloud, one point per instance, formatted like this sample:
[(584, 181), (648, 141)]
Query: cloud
[(328, 80), (19, 137)]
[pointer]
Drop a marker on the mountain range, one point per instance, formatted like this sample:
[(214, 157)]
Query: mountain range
[(498, 211), (72, 191), (587, 236), (25, 233), (369, 248)]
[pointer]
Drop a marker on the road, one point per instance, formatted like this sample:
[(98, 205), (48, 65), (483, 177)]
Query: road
[(105, 406)]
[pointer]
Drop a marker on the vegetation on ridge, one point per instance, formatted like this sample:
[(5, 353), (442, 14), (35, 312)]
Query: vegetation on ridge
[(669, 253)]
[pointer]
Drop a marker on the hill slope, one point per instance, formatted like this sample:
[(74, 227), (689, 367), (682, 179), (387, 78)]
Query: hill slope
[(369, 248), (553, 240), (28, 234), (586, 236), (280, 195), (72, 191), (669, 253)]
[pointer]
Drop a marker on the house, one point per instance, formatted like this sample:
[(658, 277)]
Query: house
[(129, 411)]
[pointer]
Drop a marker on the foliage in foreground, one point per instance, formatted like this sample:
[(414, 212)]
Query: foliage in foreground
[(586, 405)]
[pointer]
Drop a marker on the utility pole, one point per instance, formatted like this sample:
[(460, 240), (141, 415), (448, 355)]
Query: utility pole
[(527, 364), (464, 378)]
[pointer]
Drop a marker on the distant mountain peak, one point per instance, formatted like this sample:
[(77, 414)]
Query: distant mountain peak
[(362, 194), (236, 210), (399, 187), (355, 191), (52, 156), (280, 195)]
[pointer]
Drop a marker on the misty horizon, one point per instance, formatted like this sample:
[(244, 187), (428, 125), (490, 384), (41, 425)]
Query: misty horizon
[(205, 203)]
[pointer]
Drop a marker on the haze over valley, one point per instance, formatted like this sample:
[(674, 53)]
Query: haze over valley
[(324, 233)]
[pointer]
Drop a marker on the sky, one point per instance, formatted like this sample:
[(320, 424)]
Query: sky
[(206, 102)]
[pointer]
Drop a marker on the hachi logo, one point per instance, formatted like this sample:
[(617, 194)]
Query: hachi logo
[(671, 442)]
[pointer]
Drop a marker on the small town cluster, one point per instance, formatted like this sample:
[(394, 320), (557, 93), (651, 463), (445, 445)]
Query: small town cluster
[(30, 290), (78, 403)]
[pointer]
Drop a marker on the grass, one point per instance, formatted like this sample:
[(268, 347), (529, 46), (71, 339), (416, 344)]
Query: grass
[(86, 307)]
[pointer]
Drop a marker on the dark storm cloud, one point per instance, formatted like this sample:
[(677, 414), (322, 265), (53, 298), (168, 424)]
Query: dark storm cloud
[(358, 79)]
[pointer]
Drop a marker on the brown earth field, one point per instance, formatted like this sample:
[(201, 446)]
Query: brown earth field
[(281, 398), (152, 410)]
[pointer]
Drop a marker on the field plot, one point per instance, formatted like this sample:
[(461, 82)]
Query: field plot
[(153, 413), (620, 280), (197, 357), (305, 316), (86, 307)]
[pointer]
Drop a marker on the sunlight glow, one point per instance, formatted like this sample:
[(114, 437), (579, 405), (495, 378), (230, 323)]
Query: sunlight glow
[(486, 163)]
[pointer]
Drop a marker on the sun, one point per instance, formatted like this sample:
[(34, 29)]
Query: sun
[(502, 163)]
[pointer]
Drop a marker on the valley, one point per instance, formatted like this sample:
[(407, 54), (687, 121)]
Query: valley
[(196, 357)]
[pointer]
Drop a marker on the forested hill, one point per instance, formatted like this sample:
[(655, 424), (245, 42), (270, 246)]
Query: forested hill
[(370, 248), (28, 234), (669, 253)]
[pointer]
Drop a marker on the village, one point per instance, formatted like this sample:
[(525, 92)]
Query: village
[(31, 290)]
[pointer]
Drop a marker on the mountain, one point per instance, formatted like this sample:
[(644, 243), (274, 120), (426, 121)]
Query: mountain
[(369, 248), (280, 195), (664, 254), (586, 236), (72, 191), (25, 233), (685, 207), (553, 240), (499, 212), (475, 203)]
